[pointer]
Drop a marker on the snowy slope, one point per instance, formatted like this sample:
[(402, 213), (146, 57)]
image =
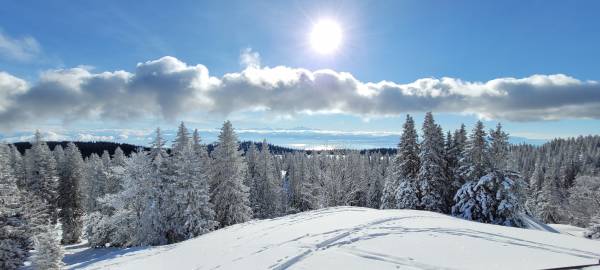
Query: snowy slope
[(535, 224), (355, 238), (569, 229)]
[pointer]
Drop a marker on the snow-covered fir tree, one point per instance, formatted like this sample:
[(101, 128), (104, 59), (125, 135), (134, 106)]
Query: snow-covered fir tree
[(95, 185), (473, 163), (155, 211), (390, 186), (549, 200), (405, 170), (70, 202), (130, 217), (510, 186), (41, 175), (357, 165), (48, 251), (311, 193), (266, 185), (157, 149), (249, 180), (14, 240), (377, 176), (432, 181), (341, 183), (185, 205), (296, 176), (116, 168), (454, 156), (453, 151), (200, 150), (59, 157), (584, 200), (229, 194), (118, 158), (498, 150), (498, 197), (105, 159), (593, 230), (18, 165), (136, 214)]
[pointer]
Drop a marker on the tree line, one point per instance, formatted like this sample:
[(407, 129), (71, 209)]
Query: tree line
[(159, 195)]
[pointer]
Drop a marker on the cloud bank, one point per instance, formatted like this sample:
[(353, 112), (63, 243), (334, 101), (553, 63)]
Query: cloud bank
[(169, 88)]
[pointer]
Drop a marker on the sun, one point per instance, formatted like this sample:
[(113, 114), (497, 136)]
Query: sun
[(326, 36)]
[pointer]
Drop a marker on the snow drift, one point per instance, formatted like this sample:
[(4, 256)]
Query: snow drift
[(355, 238)]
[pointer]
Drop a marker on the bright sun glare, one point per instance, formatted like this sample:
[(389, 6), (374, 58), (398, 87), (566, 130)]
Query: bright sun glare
[(326, 36)]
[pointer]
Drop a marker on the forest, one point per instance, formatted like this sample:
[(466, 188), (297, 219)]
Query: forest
[(113, 195)]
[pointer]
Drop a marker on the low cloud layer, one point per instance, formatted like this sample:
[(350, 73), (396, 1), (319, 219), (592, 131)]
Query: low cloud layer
[(169, 88)]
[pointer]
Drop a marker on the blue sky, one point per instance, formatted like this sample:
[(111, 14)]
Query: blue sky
[(395, 41)]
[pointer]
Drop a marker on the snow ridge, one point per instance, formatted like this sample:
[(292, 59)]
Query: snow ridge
[(361, 238)]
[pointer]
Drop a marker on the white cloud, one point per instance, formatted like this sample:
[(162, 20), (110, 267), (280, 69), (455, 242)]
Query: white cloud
[(20, 49), (10, 87), (29, 136), (85, 137), (169, 88), (249, 58)]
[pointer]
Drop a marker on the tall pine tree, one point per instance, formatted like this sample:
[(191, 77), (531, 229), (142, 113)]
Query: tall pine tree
[(431, 178), (71, 208), (229, 194), (267, 186), (41, 176), (14, 240), (405, 168)]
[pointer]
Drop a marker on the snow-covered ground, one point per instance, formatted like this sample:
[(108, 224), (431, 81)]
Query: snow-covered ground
[(354, 238), (568, 229)]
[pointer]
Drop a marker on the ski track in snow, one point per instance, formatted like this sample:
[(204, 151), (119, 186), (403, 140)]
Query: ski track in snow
[(331, 242), (405, 262)]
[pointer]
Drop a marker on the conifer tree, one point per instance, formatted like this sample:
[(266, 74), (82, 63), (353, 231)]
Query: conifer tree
[(229, 194), (59, 156), (14, 240), (549, 200), (116, 169), (311, 195), (186, 198), (18, 165), (131, 217), (118, 158), (593, 230), (584, 200), (431, 178), (497, 197), (95, 185), (105, 159), (200, 150), (406, 168), (251, 158), (376, 174), (267, 188), (48, 251), (474, 161), (157, 149), (202, 153), (41, 175), (71, 211), (498, 150), (456, 155)]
